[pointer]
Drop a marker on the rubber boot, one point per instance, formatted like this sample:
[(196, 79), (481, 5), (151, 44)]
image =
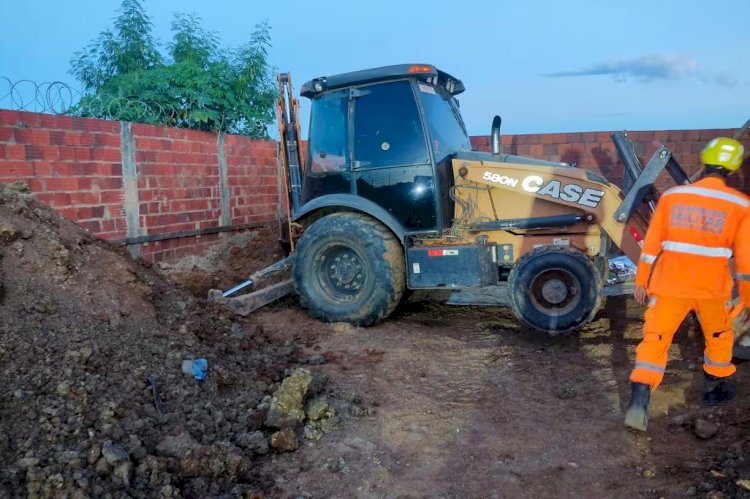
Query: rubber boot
[(636, 416), (717, 390)]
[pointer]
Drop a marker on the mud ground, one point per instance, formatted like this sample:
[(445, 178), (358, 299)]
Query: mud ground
[(463, 402), (437, 401)]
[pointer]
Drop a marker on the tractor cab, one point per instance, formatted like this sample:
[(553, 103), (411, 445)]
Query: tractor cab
[(385, 136)]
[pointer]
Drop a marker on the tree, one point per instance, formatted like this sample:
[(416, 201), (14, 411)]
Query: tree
[(195, 85)]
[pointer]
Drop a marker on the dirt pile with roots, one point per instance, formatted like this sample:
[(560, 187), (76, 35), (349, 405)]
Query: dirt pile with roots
[(82, 328)]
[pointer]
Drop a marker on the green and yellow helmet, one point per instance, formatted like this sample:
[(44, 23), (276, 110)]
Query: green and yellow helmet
[(724, 152)]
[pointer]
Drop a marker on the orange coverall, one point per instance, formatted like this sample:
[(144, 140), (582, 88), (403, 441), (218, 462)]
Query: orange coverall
[(684, 265)]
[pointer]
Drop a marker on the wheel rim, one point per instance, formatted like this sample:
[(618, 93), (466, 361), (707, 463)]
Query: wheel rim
[(342, 272), (555, 292)]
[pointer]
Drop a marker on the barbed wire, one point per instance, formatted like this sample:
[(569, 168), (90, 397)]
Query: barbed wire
[(53, 97), (60, 98)]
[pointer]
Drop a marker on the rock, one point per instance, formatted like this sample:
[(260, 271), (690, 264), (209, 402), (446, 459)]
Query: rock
[(680, 420), (113, 453), (255, 442), (284, 440), (102, 467), (286, 405), (337, 466), (215, 461), (8, 233), (649, 473), (566, 391), (124, 472), (341, 327), (317, 359), (28, 462), (63, 389), (318, 409), (176, 445), (94, 453), (705, 429), (312, 431)]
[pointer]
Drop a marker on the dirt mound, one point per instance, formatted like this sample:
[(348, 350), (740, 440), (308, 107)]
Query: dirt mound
[(228, 263), (82, 327)]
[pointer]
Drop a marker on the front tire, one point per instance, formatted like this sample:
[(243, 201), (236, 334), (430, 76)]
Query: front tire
[(555, 290), (349, 268)]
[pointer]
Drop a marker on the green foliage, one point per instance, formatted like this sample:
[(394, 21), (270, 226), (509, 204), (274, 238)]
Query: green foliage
[(196, 85)]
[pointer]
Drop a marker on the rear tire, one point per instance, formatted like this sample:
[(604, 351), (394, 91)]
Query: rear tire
[(555, 289), (349, 268)]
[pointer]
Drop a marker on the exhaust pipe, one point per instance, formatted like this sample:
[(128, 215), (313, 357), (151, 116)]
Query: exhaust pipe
[(496, 121)]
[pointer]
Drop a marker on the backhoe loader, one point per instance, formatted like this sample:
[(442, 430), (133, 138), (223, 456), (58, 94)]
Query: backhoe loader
[(389, 196)]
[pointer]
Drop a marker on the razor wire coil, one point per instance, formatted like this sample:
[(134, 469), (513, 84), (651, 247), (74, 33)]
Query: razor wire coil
[(62, 99)]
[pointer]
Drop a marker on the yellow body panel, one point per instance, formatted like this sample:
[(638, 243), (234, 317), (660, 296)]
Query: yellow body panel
[(490, 191)]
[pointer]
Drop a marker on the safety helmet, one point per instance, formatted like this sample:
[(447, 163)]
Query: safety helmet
[(724, 152)]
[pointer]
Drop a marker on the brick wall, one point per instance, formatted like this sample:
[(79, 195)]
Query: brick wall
[(177, 180), (595, 151), (77, 166)]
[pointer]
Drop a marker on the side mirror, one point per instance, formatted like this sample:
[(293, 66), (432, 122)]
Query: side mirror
[(496, 121)]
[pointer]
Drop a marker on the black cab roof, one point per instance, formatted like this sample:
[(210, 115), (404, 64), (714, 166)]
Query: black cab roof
[(425, 72)]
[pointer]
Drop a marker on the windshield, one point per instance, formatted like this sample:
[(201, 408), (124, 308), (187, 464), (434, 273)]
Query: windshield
[(447, 131)]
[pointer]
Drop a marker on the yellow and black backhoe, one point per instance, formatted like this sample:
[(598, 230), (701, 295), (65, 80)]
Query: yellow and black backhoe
[(389, 196)]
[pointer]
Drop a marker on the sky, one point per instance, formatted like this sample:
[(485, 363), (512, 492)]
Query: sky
[(543, 66)]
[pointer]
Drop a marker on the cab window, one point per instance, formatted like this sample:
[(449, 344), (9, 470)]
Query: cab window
[(447, 132), (387, 128), (327, 148)]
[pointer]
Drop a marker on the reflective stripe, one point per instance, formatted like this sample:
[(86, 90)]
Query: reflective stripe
[(646, 258), (742, 277), (697, 249), (652, 301), (709, 193), (649, 366), (716, 364)]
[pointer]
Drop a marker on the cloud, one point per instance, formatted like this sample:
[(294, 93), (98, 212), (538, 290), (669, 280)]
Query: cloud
[(645, 68)]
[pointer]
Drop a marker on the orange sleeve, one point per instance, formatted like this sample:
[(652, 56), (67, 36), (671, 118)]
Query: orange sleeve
[(655, 234), (742, 258)]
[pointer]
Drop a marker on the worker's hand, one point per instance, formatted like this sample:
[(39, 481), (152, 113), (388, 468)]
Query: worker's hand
[(640, 295), (741, 323)]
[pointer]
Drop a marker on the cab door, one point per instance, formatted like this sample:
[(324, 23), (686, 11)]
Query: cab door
[(391, 163)]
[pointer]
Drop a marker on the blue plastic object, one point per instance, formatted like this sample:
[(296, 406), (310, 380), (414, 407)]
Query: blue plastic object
[(200, 369)]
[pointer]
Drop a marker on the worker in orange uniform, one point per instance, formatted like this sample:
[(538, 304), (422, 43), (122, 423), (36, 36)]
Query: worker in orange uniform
[(684, 267)]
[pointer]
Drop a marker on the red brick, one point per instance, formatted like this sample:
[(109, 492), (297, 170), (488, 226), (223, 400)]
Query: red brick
[(57, 137), (92, 226), (90, 212), (68, 212), (66, 153), (6, 134), (536, 150), (51, 153), (107, 183), (82, 154), (34, 152), (16, 151), (8, 117), (106, 140), (80, 198), (42, 169), (109, 155), (31, 136), (62, 184), (17, 169)]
